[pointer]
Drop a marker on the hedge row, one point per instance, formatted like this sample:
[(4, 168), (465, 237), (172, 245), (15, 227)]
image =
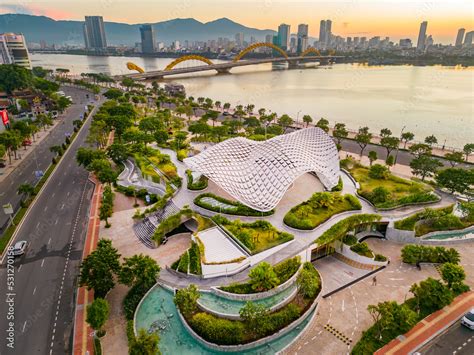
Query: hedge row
[(195, 259), (414, 254), (141, 194), (201, 184), (239, 209)]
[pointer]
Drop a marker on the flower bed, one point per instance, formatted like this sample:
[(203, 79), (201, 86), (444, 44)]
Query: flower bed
[(319, 208), (235, 208), (257, 236)]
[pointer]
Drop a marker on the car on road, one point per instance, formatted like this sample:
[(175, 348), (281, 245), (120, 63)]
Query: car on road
[(19, 248), (2, 164), (225, 113), (468, 319)]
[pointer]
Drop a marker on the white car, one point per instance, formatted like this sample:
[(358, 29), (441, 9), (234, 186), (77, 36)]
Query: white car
[(468, 319), (19, 248)]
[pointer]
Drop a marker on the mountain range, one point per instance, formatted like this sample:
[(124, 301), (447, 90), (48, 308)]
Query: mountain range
[(38, 28)]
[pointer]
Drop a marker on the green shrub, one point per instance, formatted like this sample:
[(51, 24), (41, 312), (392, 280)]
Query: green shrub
[(380, 257), (132, 299), (350, 240), (201, 184), (308, 281), (238, 208), (378, 171), (184, 263), (195, 259), (217, 330), (339, 185), (413, 254), (362, 249)]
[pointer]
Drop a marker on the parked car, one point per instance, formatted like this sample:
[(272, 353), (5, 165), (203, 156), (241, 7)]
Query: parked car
[(19, 248), (54, 114), (225, 113), (468, 319)]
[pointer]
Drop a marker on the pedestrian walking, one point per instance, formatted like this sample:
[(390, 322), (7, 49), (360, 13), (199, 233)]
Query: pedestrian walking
[(374, 281)]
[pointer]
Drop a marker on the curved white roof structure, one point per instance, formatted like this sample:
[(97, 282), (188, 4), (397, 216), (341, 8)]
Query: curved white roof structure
[(259, 173)]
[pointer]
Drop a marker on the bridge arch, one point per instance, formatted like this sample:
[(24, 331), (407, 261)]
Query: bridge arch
[(311, 50), (133, 66), (258, 45), (188, 57)]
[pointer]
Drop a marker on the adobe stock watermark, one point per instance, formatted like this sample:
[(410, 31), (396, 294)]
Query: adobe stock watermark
[(10, 299)]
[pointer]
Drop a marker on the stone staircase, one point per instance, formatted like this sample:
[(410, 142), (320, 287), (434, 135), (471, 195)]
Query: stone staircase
[(145, 228)]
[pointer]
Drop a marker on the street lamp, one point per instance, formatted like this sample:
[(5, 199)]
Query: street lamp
[(398, 146)]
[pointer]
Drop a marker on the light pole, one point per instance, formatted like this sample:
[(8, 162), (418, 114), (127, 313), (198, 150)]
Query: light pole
[(298, 117)]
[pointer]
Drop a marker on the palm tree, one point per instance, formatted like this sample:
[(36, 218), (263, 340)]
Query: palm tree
[(26, 189), (56, 149), (307, 119), (218, 105), (226, 106)]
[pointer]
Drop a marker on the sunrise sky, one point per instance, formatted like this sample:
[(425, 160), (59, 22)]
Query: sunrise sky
[(397, 19)]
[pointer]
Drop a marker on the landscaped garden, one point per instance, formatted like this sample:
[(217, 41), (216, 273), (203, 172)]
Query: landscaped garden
[(362, 248), (415, 254), (256, 236), (385, 190), (319, 208), (256, 320), (441, 219), (279, 274), (222, 205), (199, 184), (150, 159), (190, 261)]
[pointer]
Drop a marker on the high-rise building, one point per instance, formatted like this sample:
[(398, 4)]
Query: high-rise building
[(460, 37), (468, 39), (322, 32), (302, 38), (147, 35), (420, 45), (405, 43), (94, 33), (239, 39), (328, 34), (284, 36), (13, 50), (269, 39)]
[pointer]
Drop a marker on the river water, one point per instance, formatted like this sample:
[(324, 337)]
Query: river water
[(425, 100)]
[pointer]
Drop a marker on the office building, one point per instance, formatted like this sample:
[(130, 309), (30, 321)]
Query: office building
[(420, 45), (94, 33), (468, 39), (13, 50), (405, 43), (460, 37), (239, 39), (302, 38), (284, 36), (322, 32), (328, 35), (269, 39), (147, 35)]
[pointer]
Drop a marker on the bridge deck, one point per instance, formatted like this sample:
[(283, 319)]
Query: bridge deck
[(222, 66)]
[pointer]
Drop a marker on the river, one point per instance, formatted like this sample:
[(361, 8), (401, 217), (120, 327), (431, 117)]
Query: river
[(425, 100)]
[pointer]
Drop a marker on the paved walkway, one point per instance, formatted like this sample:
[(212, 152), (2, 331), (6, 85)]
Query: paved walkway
[(429, 327), (82, 340)]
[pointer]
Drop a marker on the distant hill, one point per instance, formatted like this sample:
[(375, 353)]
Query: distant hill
[(37, 28)]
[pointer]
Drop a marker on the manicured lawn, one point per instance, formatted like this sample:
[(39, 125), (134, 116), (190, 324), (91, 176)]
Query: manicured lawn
[(319, 208), (257, 236), (401, 191)]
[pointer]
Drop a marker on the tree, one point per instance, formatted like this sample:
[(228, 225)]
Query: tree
[(431, 295), (307, 119), (452, 274), (145, 344), (85, 156), (340, 132), (139, 270), (392, 318), (468, 149), (372, 156), (363, 138), (390, 161), (97, 314), (161, 137), (430, 140), (420, 149), (263, 277), (186, 299), (3, 151), (226, 106), (455, 179), (407, 137), (255, 317), (390, 143), (285, 121), (105, 211), (103, 170), (99, 267), (323, 124), (26, 189), (385, 132), (117, 152), (424, 166), (379, 195), (308, 281), (39, 72), (113, 94), (179, 138), (56, 149), (119, 123), (14, 77), (454, 158)]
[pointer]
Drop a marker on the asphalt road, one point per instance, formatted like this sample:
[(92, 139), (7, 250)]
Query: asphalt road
[(41, 157), (457, 339), (42, 296)]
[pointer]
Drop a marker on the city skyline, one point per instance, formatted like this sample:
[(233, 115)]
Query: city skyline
[(349, 19)]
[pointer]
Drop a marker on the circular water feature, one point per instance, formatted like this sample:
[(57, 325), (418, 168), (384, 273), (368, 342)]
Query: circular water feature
[(157, 312)]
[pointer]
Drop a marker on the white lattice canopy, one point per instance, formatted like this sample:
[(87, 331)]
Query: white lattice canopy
[(259, 173)]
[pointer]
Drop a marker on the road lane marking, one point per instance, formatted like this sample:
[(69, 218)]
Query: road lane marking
[(24, 325), (42, 263), (49, 241), (34, 291)]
